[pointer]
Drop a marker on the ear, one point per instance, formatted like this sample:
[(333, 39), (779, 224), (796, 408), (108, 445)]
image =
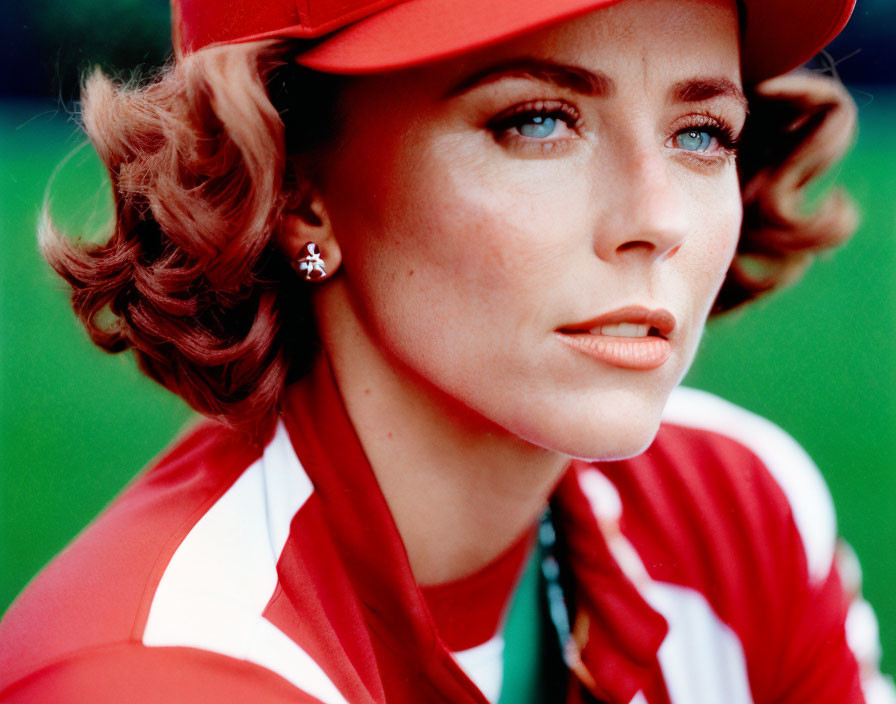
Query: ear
[(306, 234)]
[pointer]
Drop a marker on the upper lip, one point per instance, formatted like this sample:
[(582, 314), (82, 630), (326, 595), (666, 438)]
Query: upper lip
[(659, 319)]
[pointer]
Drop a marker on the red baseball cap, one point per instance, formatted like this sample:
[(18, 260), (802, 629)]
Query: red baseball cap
[(371, 36)]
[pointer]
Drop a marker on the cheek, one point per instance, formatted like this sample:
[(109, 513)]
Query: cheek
[(464, 221), (717, 222), (729, 228)]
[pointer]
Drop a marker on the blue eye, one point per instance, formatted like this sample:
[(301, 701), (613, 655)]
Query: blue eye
[(694, 140), (538, 126)]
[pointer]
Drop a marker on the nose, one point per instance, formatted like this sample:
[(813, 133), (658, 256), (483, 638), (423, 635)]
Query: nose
[(644, 212)]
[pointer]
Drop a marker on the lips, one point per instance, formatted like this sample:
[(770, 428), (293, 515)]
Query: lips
[(633, 337), (660, 322)]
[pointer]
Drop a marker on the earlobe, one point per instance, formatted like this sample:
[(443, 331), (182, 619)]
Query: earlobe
[(306, 238)]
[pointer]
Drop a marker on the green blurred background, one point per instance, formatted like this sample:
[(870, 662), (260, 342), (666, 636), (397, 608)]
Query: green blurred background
[(76, 425)]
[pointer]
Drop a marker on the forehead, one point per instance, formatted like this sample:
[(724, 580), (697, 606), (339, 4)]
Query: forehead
[(661, 39), (641, 52)]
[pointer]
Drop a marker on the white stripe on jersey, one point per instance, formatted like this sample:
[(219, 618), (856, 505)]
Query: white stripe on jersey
[(221, 577), (788, 463), (720, 675), (864, 641), (484, 664)]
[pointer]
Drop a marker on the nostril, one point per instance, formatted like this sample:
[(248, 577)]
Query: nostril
[(625, 246)]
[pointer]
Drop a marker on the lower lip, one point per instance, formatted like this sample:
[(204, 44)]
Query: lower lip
[(642, 353)]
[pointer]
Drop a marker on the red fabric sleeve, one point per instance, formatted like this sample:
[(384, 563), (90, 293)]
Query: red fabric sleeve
[(817, 665), (706, 513), (131, 673)]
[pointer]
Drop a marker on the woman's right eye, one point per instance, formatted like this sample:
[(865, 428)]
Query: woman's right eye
[(541, 121), (538, 126)]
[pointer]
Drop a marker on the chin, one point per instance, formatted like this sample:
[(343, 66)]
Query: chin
[(604, 431), (628, 443)]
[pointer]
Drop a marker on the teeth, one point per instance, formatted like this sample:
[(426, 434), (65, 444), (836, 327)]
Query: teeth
[(622, 330)]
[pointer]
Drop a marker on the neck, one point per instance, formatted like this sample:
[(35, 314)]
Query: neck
[(460, 489)]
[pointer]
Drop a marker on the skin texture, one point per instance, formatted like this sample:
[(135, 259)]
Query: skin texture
[(465, 246)]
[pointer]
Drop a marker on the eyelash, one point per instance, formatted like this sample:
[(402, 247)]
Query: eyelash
[(715, 127), (502, 124)]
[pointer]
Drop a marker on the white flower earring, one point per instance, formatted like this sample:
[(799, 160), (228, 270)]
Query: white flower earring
[(310, 263)]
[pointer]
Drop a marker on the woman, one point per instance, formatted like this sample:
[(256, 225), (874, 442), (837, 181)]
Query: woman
[(417, 258)]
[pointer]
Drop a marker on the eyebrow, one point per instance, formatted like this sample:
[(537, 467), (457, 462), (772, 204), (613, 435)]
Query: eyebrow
[(697, 90), (575, 78), (594, 83)]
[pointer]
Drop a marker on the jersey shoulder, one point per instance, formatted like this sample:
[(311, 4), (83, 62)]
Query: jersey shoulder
[(722, 492), (129, 672), (743, 447), (98, 590), (727, 510)]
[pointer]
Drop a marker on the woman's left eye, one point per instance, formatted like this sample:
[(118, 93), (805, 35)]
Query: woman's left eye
[(707, 136), (694, 140)]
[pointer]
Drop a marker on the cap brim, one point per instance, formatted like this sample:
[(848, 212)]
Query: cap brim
[(783, 34), (779, 34)]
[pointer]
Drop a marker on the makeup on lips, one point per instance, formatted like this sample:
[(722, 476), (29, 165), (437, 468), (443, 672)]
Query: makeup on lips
[(633, 337)]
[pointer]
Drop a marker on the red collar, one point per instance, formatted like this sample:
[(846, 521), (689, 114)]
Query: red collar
[(625, 632), (622, 631), (468, 611)]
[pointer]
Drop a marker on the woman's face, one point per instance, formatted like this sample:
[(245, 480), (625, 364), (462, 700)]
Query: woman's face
[(498, 214)]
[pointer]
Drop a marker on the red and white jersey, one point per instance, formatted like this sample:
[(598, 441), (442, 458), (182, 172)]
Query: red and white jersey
[(703, 571)]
